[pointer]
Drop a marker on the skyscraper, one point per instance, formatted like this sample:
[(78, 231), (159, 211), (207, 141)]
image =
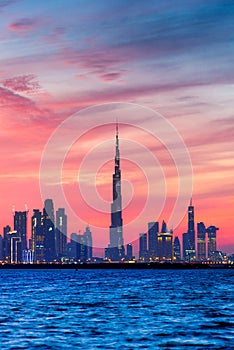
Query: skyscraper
[(73, 253), (165, 246), (211, 231), (129, 254), (38, 237), (15, 255), (143, 246), (61, 233), (6, 243), (1, 247), (177, 250), (189, 253), (115, 250), (88, 242), (20, 225), (49, 230), (201, 241), (153, 228)]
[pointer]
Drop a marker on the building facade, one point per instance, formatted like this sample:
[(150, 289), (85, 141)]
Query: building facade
[(153, 229), (189, 251), (201, 242), (49, 230), (20, 226), (143, 253), (211, 237), (38, 237), (177, 250), (60, 233)]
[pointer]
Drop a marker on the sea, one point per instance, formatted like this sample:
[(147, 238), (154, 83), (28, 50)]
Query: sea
[(116, 309)]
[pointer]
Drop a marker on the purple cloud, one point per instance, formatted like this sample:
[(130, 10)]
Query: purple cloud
[(23, 83), (5, 3), (112, 76), (23, 25)]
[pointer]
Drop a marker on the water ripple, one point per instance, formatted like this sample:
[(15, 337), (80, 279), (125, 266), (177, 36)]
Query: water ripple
[(116, 309)]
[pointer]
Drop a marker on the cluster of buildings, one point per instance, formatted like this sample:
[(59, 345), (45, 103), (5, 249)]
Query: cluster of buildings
[(48, 242), (200, 245)]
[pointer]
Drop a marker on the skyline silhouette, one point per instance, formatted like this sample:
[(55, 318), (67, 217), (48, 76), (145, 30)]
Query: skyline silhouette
[(181, 68)]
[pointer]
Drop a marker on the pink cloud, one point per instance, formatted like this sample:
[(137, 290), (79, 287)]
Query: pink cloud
[(101, 60), (23, 25), (112, 76), (23, 83), (9, 99)]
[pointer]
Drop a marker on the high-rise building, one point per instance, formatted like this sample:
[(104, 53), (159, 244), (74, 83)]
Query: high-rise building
[(38, 237), (153, 229), (143, 254), (61, 233), (20, 225), (177, 250), (129, 254), (49, 230), (201, 241), (88, 241), (15, 255), (115, 250), (82, 251), (211, 231), (6, 243), (165, 246), (1, 247), (189, 252), (81, 246), (72, 253)]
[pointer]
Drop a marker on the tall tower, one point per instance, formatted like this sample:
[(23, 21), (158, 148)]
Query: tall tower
[(177, 250), (20, 225), (201, 241), (191, 230), (49, 230), (88, 242), (153, 229), (115, 249), (189, 252), (211, 231), (38, 237), (60, 233)]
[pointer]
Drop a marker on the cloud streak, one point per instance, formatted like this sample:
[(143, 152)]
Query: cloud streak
[(23, 83), (23, 25)]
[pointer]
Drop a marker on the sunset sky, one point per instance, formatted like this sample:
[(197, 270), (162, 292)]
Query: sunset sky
[(125, 60)]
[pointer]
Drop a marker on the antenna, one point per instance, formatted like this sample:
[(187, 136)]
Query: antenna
[(117, 127)]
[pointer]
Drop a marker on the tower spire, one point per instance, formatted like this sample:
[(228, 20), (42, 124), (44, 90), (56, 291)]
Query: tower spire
[(117, 127), (117, 155)]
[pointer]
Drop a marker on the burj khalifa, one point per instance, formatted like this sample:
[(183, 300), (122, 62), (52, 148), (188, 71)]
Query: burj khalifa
[(115, 250)]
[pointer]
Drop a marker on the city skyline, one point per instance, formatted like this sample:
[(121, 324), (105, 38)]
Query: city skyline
[(181, 68), (47, 238)]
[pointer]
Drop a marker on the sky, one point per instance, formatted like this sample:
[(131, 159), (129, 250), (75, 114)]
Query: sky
[(164, 69)]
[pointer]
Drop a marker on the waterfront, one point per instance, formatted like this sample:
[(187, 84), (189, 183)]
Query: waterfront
[(114, 309)]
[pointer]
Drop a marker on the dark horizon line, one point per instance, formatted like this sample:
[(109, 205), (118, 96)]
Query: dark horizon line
[(119, 266)]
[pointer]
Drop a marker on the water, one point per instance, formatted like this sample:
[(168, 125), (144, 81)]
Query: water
[(108, 309)]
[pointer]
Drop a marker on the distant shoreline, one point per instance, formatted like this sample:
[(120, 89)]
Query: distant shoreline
[(118, 266)]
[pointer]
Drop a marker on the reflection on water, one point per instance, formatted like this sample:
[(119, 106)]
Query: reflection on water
[(107, 309)]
